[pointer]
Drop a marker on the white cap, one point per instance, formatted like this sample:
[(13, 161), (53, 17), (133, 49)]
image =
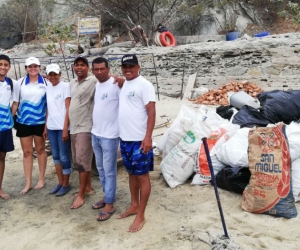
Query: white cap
[(32, 60), (53, 67)]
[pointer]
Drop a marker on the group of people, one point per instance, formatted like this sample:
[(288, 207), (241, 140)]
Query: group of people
[(91, 114)]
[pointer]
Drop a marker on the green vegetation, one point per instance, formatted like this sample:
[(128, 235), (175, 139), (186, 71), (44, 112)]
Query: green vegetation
[(58, 34)]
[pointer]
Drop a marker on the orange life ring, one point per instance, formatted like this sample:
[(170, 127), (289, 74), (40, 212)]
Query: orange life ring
[(167, 39)]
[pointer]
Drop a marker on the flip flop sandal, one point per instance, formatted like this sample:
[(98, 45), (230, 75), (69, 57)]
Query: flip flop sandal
[(106, 214), (98, 205)]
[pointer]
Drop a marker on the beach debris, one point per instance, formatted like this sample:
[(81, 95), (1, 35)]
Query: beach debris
[(219, 242), (220, 96), (164, 124)]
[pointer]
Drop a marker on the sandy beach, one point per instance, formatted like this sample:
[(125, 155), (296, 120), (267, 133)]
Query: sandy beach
[(176, 218)]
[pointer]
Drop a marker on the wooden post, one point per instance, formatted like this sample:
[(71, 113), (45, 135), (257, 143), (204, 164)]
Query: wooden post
[(78, 32), (99, 33), (25, 22)]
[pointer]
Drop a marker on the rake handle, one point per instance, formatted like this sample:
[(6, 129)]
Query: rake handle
[(213, 178)]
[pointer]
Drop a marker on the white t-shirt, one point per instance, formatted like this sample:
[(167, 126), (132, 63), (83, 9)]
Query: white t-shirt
[(56, 96), (6, 121), (32, 100), (133, 117), (106, 109)]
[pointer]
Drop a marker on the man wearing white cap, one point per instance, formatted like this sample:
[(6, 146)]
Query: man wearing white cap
[(57, 129)]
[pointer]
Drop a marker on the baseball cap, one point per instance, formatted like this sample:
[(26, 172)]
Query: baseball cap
[(5, 57), (130, 60), (53, 67), (81, 58), (32, 60)]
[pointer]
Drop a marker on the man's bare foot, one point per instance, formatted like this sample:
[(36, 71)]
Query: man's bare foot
[(78, 202), (39, 185), (4, 195), (74, 195), (89, 191), (25, 190), (136, 226), (129, 211)]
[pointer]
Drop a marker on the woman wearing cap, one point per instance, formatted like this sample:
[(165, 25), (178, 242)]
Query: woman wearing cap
[(58, 102), (29, 103)]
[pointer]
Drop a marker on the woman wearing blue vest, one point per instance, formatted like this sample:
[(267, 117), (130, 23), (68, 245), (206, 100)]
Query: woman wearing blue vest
[(29, 103)]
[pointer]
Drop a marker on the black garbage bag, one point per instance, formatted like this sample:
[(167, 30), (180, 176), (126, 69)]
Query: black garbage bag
[(250, 117), (233, 179), (225, 112), (280, 106)]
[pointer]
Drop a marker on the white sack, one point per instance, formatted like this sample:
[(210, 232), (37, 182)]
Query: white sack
[(293, 136), (234, 152), (178, 165), (296, 179), (183, 122)]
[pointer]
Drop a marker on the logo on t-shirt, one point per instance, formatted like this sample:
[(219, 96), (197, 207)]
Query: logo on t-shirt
[(42, 87), (57, 96), (104, 96), (8, 88), (130, 95)]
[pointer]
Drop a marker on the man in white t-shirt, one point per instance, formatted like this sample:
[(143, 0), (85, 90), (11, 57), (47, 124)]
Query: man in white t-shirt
[(6, 121), (136, 121), (105, 135)]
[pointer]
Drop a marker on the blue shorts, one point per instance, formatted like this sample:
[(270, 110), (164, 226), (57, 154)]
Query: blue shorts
[(134, 160), (6, 141)]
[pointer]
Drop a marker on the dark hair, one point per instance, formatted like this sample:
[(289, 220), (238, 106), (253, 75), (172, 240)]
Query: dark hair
[(100, 60), (5, 57), (83, 59)]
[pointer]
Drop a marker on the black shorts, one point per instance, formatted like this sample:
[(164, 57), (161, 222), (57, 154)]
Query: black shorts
[(28, 130), (6, 141)]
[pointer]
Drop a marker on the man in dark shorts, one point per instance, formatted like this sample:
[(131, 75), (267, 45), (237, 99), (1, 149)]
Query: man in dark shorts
[(6, 121), (136, 123)]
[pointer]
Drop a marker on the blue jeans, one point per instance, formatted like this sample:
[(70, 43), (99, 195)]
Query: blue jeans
[(60, 150), (106, 153)]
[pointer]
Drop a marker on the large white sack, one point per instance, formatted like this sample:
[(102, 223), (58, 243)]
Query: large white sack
[(296, 179), (293, 135), (234, 152), (183, 122), (178, 165), (203, 177)]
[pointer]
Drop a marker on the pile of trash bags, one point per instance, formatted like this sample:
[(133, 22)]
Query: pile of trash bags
[(227, 131)]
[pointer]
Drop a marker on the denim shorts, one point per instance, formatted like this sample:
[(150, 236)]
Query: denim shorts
[(134, 160), (61, 151)]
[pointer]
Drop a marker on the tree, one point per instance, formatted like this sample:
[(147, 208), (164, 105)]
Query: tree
[(59, 34), (191, 16), (22, 18), (130, 13)]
